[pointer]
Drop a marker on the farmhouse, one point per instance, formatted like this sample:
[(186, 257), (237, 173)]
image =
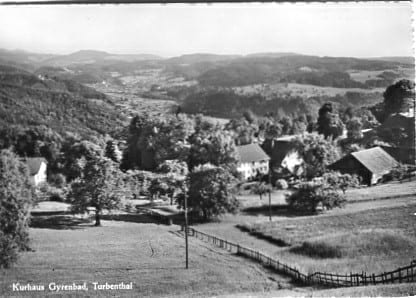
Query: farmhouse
[(284, 156), (37, 170), (253, 161), (370, 164)]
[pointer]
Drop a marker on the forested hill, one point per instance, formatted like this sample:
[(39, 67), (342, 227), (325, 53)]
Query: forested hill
[(319, 71), (62, 105)]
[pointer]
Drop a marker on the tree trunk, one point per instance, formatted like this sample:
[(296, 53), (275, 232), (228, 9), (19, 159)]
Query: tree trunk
[(97, 218)]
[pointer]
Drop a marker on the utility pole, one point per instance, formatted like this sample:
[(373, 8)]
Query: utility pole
[(270, 193), (414, 131), (186, 230)]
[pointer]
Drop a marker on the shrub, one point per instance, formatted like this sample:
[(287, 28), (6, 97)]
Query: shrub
[(57, 180), (310, 195), (281, 184), (318, 249)]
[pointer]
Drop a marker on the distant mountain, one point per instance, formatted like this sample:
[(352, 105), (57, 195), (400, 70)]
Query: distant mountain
[(200, 57), (400, 59), (273, 55), (91, 56)]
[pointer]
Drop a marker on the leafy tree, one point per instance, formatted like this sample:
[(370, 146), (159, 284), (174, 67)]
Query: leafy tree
[(399, 97), (153, 140), (329, 124), (211, 192), (100, 187), (354, 127), (317, 153), (158, 186), (213, 146), (244, 132), (173, 166), (75, 155), (112, 151), (338, 181), (261, 189), (15, 200), (310, 195)]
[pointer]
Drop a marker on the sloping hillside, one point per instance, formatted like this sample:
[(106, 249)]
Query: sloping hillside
[(63, 105)]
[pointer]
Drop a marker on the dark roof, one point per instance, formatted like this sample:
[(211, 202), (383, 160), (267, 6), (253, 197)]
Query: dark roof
[(34, 164), (251, 153), (376, 160)]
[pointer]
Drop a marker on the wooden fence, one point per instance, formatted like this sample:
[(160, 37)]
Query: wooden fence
[(400, 275)]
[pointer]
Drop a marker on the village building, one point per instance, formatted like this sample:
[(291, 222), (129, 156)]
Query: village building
[(285, 158), (37, 170), (253, 161), (370, 165)]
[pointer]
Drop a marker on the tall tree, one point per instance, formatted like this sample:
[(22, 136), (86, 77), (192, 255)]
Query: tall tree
[(100, 187), (399, 97), (213, 146), (15, 200), (354, 127), (211, 192), (329, 124), (317, 153)]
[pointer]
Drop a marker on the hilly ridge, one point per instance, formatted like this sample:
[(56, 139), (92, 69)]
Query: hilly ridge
[(63, 105)]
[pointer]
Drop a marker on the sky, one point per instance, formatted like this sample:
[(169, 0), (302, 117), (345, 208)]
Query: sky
[(369, 29)]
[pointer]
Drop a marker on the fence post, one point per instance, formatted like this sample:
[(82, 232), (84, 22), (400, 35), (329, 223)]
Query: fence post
[(374, 278)]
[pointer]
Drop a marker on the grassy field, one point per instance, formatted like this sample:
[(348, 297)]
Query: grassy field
[(151, 256), (375, 241), (392, 189)]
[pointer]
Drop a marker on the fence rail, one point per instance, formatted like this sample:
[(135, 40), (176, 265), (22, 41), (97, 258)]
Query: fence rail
[(400, 275)]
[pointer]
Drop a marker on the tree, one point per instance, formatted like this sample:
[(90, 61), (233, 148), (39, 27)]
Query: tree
[(329, 124), (213, 146), (310, 195), (317, 153), (354, 127), (211, 192), (15, 200), (100, 187), (261, 189), (399, 97), (338, 181), (112, 151)]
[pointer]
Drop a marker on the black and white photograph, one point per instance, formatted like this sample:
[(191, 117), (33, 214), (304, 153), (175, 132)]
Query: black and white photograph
[(240, 149)]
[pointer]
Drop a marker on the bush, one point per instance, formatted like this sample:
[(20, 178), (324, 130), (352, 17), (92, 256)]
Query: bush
[(318, 249), (281, 184), (310, 195), (57, 180)]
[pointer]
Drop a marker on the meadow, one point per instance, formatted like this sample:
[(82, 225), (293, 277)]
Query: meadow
[(151, 256)]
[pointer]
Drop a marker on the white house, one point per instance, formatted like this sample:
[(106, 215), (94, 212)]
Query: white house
[(253, 161), (37, 170)]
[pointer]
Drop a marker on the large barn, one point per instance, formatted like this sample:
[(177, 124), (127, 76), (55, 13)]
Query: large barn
[(370, 164)]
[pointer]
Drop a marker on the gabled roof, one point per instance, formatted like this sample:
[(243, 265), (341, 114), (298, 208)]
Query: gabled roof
[(34, 164), (251, 153), (376, 160)]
